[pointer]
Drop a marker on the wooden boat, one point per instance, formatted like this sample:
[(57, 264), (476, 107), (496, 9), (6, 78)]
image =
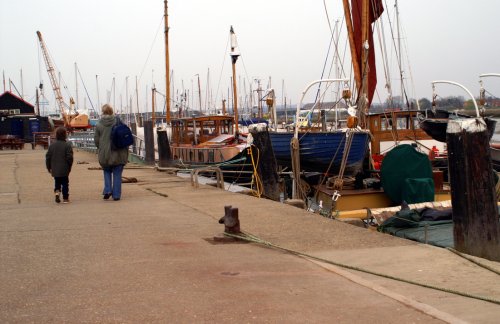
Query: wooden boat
[(397, 126), (210, 140), (205, 141), (495, 156), (388, 129)]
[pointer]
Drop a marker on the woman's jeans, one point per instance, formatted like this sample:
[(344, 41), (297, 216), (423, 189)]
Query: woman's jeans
[(113, 180)]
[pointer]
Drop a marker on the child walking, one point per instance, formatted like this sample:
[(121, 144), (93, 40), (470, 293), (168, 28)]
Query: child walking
[(59, 160)]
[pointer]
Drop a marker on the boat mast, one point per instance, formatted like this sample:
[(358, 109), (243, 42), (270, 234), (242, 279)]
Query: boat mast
[(350, 32), (400, 59), (199, 90), (167, 62), (365, 25), (76, 86), (234, 58)]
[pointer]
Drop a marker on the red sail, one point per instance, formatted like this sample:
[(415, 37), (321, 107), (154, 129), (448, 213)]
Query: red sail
[(375, 10)]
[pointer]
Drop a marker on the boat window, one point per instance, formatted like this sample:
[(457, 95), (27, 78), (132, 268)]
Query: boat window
[(386, 123), (416, 123), (201, 157), (402, 123), (211, 156)]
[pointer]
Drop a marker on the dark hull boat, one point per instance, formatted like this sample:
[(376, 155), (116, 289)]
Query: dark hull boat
[(434, 123)]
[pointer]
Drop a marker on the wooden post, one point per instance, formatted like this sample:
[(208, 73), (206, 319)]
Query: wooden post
[(267, 168), (164, 154), (323, 120), (149, 142), (133, 128), (476, 228)]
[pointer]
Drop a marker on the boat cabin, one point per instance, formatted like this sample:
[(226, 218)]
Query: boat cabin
[(395, 125), (197, 130)]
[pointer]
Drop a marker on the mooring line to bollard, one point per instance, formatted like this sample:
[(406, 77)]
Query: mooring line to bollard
[(252, 238), (487, 267)]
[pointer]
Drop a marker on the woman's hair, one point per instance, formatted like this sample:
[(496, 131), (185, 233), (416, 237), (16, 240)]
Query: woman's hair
[(61, 133), (107, 110)]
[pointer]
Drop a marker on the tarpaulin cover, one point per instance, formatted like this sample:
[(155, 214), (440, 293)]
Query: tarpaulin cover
[(426, 225), (401, 163)]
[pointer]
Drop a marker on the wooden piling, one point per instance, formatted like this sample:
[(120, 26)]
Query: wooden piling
[(476, 228), (323, 120), (267, 168), (149, 142), (133, 128), (164, 153)]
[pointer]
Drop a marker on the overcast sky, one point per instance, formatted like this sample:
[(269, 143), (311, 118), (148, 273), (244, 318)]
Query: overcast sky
[(285, 41)]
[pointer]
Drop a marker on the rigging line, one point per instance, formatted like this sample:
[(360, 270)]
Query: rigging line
[(12, 84), (336, 40), (491, 94), (327, 52), (151, 48), (222, 69), (405, 44), (397, 58), (383, 50), (86, 91), (245, 69), (323, 71)]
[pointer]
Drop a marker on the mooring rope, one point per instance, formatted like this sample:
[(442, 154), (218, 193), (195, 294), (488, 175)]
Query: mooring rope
[(487, 267), (256, 180), (252, 238)]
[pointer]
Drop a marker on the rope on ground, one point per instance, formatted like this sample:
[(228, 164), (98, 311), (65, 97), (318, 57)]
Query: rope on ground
[(487, 267), (255, 239)]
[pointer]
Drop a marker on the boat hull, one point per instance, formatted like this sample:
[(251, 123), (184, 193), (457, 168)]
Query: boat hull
[(233, 161), (495, 156), (436, 123), (322, 151)]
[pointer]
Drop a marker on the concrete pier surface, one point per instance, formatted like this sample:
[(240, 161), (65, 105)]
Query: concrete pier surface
[(152, 257)]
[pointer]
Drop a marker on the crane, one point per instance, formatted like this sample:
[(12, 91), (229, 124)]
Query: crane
[(71, 120)]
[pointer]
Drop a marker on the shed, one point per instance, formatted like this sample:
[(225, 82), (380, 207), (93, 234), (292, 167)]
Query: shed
[(10, 104)]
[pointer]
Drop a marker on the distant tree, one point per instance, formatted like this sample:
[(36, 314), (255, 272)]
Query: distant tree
[(425, 103), (469, 105), (450, 102)]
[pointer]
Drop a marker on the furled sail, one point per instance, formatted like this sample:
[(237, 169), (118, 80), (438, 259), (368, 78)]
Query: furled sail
[(372, 10)]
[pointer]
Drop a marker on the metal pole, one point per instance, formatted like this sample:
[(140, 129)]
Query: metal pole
[(167, 63), (234, 58), (461, 86), (297, 113), (97, 86)]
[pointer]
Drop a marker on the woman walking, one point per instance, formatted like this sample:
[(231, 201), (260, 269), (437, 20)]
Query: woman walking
[(111, 160)]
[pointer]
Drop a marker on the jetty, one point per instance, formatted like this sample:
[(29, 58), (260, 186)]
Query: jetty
[(160, 255)]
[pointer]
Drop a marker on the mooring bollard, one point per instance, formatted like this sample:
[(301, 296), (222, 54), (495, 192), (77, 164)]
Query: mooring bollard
[(230, 220)]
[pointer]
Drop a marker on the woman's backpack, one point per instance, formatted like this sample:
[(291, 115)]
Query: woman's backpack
[(121, 135)]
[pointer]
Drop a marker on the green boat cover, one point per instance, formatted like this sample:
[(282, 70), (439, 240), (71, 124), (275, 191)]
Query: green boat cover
[(406, 175), (422, 225), (439, 233)]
